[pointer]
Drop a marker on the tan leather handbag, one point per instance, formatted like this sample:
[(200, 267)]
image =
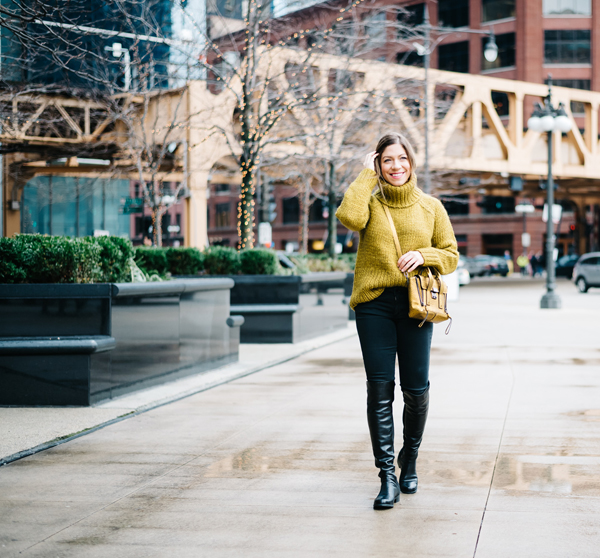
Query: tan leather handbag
[(427, 292)]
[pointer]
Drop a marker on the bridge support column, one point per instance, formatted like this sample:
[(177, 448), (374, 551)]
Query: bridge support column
[(11, 192), (196, 211), (581, 240)]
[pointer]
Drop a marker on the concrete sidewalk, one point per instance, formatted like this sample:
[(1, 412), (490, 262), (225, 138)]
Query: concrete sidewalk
[(27, 430), (278, 463)]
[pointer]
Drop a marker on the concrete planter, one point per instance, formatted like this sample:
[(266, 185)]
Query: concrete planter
[(78, 344), (286, 309)]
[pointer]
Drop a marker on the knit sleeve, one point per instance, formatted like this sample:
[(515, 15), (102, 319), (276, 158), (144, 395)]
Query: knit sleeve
[(354, 212), (443, 253)]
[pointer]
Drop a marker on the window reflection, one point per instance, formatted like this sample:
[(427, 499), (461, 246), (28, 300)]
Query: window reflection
[(74, 206), (497, 9), (567, 7)]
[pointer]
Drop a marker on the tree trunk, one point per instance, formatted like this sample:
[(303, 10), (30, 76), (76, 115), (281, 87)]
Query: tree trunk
[(246, 207), (157, 227), (304, 211), (332, 219)]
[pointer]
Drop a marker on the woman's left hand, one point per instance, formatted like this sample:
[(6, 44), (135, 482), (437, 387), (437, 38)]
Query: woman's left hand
[(410, 261)]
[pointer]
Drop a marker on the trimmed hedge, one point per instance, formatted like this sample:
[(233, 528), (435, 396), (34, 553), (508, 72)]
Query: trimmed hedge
[(258, 262), (152, 260), (115, 258), (221, 260), (33, 258), (185, 261), (322, 262)]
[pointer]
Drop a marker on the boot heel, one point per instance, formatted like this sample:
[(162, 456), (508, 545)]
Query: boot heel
[(397, 499)]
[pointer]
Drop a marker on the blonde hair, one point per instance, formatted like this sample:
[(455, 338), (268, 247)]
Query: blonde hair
[(393, 138)]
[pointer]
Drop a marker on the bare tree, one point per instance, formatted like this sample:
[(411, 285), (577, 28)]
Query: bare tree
[(116, 53)]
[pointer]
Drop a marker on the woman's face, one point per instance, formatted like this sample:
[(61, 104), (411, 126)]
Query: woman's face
[(395, 166)]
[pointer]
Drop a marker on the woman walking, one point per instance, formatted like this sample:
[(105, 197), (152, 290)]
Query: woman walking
[(380, 300)]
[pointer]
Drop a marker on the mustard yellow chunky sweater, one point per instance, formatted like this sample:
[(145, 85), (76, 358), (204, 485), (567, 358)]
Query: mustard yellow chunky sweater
[(422, 224)]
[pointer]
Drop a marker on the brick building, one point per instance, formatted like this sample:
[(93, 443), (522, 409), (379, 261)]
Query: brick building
[(535, 38)]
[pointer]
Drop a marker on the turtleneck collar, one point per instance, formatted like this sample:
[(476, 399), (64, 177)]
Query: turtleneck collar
[(399, 196)]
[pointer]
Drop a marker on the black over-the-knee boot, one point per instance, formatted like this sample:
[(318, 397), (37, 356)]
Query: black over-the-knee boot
[(380, 396), (414, 418)]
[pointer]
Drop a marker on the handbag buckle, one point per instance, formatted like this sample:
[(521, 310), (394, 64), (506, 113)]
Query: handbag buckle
[(434, 294)]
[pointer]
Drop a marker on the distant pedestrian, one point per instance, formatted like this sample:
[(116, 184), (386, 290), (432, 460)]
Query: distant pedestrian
[(523, 263), (539, 264), (534, 263), (509, 262), (380, 299)]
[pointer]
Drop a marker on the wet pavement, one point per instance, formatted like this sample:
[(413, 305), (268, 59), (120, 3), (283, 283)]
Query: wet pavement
[(278, 464)]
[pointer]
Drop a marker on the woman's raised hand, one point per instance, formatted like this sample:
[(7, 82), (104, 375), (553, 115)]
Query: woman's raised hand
[(370, 160), (410, 261)]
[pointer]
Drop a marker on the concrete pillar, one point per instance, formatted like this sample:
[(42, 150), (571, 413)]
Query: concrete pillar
[(205, 148), (12, 217), (196, 234), (581, 240)]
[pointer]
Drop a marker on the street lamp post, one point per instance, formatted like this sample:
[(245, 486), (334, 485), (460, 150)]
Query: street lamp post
[(118, 50), (425, 49), (549, 119)]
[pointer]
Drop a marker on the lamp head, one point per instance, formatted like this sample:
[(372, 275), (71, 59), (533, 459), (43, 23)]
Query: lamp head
[(535, 121), (421, 50), (117, 50), (562, 122), (490, 52), (547, 123)]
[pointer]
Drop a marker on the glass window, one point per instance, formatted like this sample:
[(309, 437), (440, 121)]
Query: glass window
[(500, 101), (375, 29), (453, 13), (410, 58), (69, 206), (497, 204), (456, 204), (497, 9), (454, 57), (222, 215), (506, 52), (315, 214), (567, 46), (567, 7), (291, 210), (409, 17), (590, 261), (576, 106), (221, 189)]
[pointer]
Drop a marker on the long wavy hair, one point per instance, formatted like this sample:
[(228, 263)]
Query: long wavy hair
[(393, 138)]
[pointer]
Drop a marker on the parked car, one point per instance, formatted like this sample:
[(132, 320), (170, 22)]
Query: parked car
[(475, 268), (464, 277), (586, 272), (565, 265), (492, 265)]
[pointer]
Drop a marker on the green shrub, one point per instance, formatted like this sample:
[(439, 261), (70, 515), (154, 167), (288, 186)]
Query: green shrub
[(152, 260), (11, 269), (185, 261), (259, 261), (221, 260), (311, 263), (33, 258), (115, 257)]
